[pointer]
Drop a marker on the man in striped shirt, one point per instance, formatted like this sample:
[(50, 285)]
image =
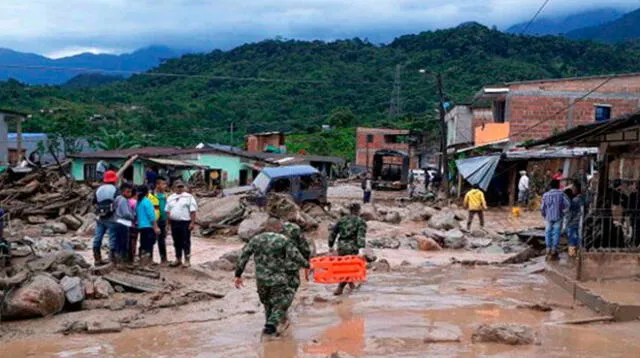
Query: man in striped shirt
[(554, 205)]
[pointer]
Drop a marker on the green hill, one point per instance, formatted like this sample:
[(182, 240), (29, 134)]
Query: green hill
[(295, 85), (625, 28)]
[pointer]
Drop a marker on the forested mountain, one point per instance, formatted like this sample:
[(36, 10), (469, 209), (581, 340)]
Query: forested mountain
[(556, 25), (13, 63), (623, 29), (296, 86)]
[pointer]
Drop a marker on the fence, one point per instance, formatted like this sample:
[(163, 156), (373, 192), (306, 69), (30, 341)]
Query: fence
[(615, 226)]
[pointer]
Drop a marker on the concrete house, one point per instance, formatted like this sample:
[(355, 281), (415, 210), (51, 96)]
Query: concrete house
[(15, 119), (517, 106), (222, 168)]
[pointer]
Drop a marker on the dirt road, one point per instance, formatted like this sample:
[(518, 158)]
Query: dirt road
[(389, 316)]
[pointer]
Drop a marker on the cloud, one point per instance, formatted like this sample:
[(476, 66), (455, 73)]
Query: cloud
[(52, 26)]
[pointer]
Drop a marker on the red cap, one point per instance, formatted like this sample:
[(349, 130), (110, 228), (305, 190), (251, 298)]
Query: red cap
[(110, 177)]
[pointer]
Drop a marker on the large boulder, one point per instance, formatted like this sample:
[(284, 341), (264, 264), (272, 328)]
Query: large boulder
[(39, 297), (455, 239), (55, 227), (73, 290), (385, 243), (381, 265), (512, 334), (103, 288), (252, 225), (72, 222), (427, 243), (434, 234), (443, 333), (215, 210), (393, 217), (232, 256), (88, 227), (429, 212), (444, 221), (369, 213)]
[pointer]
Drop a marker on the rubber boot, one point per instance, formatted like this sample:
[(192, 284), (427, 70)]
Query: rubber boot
[(339, 290), (269, 330), (114, 260), (187, 262), (97, 258)]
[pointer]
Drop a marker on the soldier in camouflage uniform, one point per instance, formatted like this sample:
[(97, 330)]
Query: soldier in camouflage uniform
[(273, 254), (350, 231), (294, 233)]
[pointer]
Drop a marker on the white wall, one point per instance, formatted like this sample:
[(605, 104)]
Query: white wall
[(459, 125)]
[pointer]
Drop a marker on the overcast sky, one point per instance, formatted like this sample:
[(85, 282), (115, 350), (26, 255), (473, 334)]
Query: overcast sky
[(63, 27)]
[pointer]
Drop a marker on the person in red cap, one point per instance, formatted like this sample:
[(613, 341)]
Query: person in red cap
[(104, 201)]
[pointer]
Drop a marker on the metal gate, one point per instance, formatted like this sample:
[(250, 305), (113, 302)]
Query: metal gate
[(615, 226)]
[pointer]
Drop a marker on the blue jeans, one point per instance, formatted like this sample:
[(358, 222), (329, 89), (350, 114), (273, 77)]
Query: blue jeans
[(367, 197), (574, 236), (552, 234), (103, 227)]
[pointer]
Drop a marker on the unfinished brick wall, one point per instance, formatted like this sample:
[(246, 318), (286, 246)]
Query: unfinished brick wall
[(380, 143), (530, 103)]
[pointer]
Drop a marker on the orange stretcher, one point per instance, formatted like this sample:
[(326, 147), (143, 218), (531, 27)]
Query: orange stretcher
[(336, 269)]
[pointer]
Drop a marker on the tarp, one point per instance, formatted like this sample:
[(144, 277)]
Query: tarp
[(478, 170)]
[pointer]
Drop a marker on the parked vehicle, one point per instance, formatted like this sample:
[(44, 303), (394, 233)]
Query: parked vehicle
[(390, 170), (303, 182)]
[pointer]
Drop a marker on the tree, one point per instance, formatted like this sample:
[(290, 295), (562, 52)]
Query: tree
[(66, 128), (341, 117), (115, 140)]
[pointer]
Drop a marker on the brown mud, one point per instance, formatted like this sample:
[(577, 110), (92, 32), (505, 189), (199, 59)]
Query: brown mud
[(389, 316)]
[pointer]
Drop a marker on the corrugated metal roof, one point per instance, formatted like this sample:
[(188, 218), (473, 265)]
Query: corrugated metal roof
[(143, 152), (288, 171), (174, 162), (551, 153)]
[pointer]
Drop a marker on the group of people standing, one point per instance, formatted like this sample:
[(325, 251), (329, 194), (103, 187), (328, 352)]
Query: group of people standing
[(144, 212), (280, 252), (562, 208)]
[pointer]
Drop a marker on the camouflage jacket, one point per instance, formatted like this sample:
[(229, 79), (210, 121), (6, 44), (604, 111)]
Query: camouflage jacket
[(350, 232), (294, 233), (273, 253)]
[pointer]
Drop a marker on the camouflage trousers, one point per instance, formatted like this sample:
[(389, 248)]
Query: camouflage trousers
[(294, 281), (276, 300)]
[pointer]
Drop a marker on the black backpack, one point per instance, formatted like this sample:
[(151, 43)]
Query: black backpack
[(105, 208)]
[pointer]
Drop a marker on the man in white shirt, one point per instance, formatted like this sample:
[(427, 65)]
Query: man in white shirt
[(523, 189), (181, 218)]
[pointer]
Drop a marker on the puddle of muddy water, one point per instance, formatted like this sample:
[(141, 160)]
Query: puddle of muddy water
[(388, 317)]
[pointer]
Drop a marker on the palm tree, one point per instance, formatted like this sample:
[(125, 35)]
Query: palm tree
[(115, 140)]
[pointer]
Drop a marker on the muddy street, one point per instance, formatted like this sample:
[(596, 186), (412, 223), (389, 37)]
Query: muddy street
[(389, 316), (432, 287)]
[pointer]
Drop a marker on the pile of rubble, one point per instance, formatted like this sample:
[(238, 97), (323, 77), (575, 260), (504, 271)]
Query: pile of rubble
[(238, 215), (44, 194), (41, 286), (387, 229)]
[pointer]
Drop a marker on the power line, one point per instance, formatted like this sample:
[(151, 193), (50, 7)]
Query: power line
[(607, 80), (534, 17)]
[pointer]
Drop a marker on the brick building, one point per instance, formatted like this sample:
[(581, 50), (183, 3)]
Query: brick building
[(371, 140), (265, 142), (521, 105)]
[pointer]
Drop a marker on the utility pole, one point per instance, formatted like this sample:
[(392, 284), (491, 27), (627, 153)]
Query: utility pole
[(395, 107), (444, 157), (231, 134)]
